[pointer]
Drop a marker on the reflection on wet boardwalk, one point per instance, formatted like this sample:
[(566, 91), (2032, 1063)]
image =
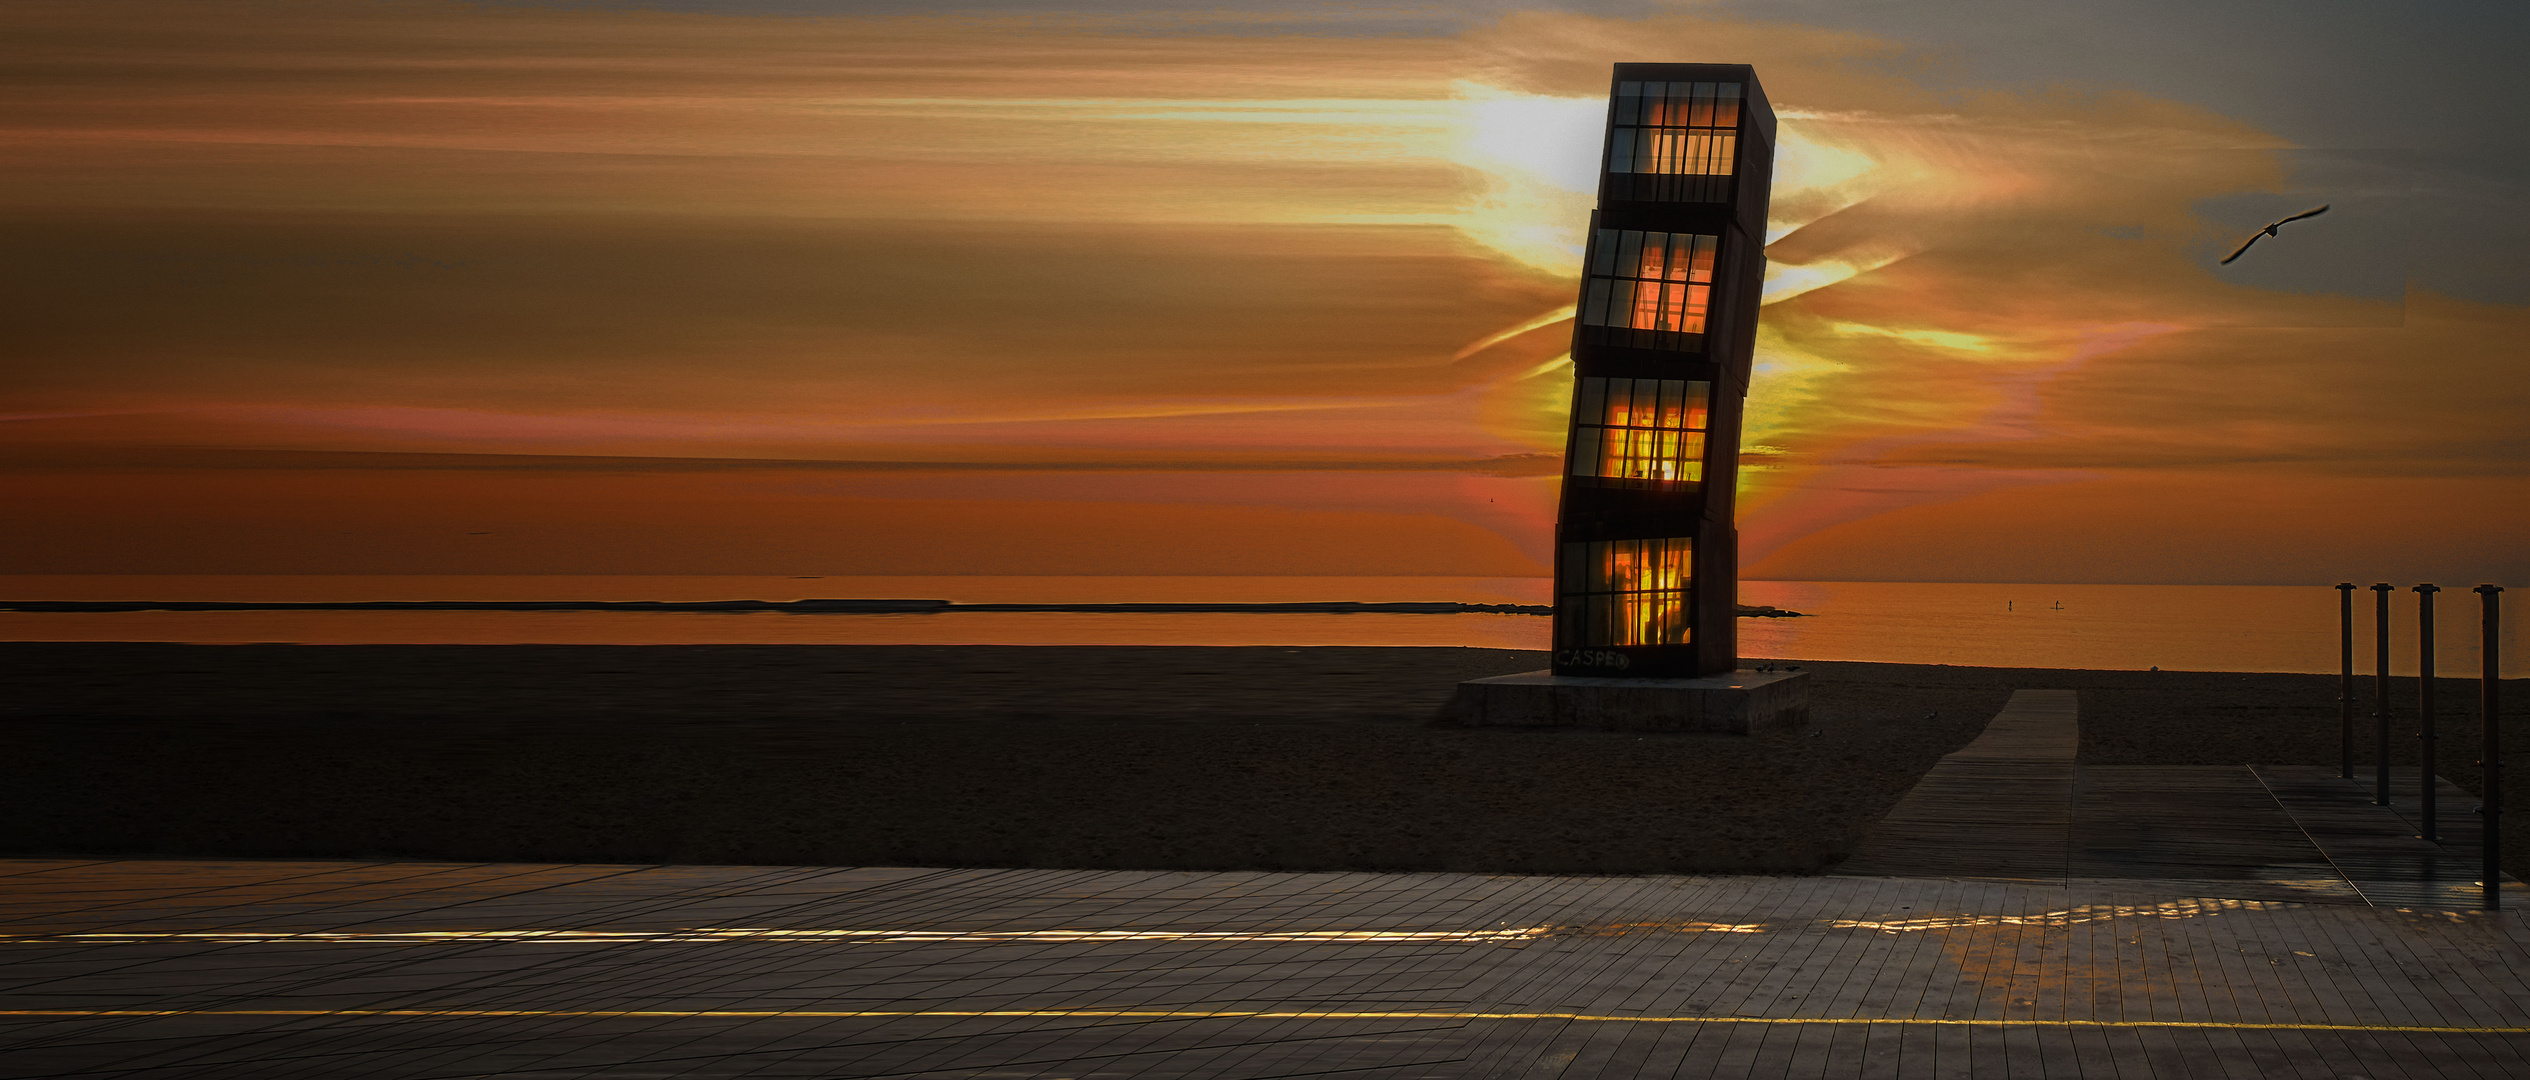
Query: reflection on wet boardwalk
[(248, 969), (2015, 805)]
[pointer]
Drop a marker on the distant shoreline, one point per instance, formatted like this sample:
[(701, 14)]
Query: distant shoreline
[(824, 607)]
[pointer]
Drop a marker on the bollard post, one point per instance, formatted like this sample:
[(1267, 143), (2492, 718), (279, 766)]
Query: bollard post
[(2345, 679), (2490, 832), (2380, 693), (2424, 707)]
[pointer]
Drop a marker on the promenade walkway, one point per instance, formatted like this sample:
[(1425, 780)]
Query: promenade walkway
[(1999, 807), (150, 968), (2015, 805)]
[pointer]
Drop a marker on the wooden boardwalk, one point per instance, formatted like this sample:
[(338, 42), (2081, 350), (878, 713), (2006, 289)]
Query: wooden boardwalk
[(2210, 830), (2379, 851), (1999, 807), (2037, 919), (2015, 805), (275, 970)]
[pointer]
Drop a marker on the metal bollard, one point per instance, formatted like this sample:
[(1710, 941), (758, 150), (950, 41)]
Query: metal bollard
[(2424, 707), (2345, 679), (2380, 695), (2490, 832)]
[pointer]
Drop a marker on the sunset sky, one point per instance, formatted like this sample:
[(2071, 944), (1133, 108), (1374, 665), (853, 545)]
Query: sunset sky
[(830, 287)]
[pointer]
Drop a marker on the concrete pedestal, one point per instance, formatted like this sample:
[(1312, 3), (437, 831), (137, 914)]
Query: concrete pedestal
[(1741, 703)]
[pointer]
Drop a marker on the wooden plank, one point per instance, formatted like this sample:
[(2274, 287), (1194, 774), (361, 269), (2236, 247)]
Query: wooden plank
[(2214, 826), (1999, 807), (2022, 1057), (2164, 1055), (1838, 1052), (1882, 1055), (1696, 1050), (1739, 1050), (1952, 1057), (1918, 1052), (2097, 1055), (2378, 848)]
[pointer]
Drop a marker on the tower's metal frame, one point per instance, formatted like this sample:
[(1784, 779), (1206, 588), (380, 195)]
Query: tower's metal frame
[(1646, 573)]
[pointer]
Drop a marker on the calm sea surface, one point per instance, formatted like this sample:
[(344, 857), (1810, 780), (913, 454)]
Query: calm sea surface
[(2181, 627)]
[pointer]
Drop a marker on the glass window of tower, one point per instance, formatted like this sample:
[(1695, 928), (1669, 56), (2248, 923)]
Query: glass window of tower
[(1657, 284), (1624, 592), (1689, 128), (1639, 432)]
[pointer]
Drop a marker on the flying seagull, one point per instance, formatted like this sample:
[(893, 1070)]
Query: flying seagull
[(2270, 231)]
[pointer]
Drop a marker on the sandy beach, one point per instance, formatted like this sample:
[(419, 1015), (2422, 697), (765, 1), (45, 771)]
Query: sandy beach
[(1077, 757)]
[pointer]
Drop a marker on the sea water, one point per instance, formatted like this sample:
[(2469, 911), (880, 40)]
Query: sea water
[(2178, 627)]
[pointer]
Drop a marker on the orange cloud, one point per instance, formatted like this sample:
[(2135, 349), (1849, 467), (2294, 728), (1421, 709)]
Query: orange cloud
[(351, 520)]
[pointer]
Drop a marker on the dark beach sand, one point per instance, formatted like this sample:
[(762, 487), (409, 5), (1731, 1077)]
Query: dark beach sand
[(1097, 757)]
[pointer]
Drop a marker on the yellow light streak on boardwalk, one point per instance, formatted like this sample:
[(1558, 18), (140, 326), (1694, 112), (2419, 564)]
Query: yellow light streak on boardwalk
[(2186, 908), (843, 937), (1260, 1014)]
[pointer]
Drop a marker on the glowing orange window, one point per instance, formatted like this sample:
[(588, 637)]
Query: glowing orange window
[(1625, 592), (1650, 281), (1639, 432), (1676, 128)]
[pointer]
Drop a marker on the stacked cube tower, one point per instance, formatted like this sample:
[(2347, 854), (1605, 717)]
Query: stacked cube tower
[(1646, 568)]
